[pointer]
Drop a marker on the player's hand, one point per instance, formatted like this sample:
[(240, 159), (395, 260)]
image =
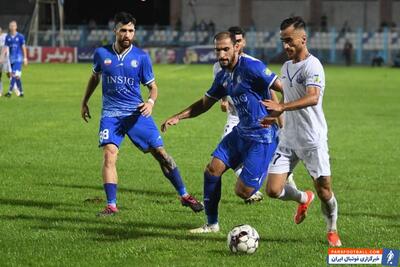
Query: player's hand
[(272, 105), (224, 106), (169, 122), (146, 109), (267, 121), (85, 112), (25, 61)]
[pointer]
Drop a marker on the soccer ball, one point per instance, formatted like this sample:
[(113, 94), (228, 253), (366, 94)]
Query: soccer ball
[(243, 239)]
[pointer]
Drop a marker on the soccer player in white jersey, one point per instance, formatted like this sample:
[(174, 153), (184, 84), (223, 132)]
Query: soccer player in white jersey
[(4, 60), (122, 68), (304, 135)]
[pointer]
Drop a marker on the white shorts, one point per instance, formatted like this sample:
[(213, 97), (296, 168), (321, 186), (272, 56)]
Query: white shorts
[(316, 160), (5, 67), (231, 122)]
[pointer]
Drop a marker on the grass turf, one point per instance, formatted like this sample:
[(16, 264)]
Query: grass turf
[(50, 163)]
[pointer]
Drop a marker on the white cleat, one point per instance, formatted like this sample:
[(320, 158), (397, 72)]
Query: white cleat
[(290, 181), (207, 228), (256, 197)]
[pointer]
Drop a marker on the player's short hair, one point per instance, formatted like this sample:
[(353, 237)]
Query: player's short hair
[(237, 30), (225, 35), (124, 18), (297, 22)]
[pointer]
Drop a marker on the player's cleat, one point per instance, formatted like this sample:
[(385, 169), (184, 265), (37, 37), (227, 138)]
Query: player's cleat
[(302, 208), (290, 181), (333, 239), (190, 201), (8, 94), (207, 228), (21, 95), (256, 197), (108, 211)]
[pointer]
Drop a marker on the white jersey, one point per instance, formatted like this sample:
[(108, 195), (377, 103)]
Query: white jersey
[(233, 117), (4, 62), (304, 128)]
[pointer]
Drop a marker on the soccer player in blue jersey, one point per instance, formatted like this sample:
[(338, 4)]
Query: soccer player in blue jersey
[(247, 81), (122, 67), (15, 42)]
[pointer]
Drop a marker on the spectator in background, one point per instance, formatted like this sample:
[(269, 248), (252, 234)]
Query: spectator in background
[(347, 52), (178, 25), (211, 27), (377, 59), (92, 24), (202, 25), (324, 23), (396, 60)]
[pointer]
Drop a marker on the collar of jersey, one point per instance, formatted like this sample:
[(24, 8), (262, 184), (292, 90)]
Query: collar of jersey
[(121, 56)]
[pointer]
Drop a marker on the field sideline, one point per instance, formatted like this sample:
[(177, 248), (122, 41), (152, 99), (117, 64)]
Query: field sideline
[(50, 164)]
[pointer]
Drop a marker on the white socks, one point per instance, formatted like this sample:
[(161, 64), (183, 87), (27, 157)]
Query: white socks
[(330, 211), (291, 193)]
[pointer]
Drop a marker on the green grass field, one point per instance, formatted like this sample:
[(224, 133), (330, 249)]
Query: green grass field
[(50, 164)]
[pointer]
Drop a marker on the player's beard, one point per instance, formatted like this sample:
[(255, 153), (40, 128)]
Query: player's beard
[(125, 43), (227, 63)]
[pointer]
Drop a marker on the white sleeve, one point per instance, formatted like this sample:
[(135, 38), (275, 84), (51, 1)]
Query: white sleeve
[(216, 69), (314, 74)]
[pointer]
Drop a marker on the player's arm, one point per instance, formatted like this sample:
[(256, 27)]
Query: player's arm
[(310, 99), (147, 108), (24, 51), (275, 98), (224, 104), (194, 110), (91, 86)]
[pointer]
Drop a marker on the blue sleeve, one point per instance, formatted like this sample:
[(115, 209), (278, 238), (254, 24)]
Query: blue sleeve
[(147, 75), (217, 91), (22, 40), (264, 78), (96, 61)]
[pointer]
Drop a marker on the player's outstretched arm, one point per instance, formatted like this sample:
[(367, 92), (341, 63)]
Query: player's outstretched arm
[(194, 110), (224, 104), (91, 86), (147, 108)]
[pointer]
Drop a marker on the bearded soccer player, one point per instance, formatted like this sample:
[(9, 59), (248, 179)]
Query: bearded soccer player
[(122, 67), (15, 42), (247, 81), (305, 133), (228, 106)]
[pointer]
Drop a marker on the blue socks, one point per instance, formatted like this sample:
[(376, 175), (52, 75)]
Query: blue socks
[(19, 85), (176, 180), (212, 195), (12, 83), (111, 193)]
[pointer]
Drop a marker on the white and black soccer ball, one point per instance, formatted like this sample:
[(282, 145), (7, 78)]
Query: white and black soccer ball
[(243, 239)]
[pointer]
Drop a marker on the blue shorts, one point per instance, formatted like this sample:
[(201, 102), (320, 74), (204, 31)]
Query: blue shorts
[(141, 130), (234, 150), (16, 68)]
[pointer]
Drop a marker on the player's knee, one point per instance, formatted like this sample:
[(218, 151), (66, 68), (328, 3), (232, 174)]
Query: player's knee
[(211, 170), (240, 192), (110, 156), (273, 192)]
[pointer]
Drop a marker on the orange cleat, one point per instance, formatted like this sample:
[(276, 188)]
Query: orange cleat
[(333, 239), (302, 208)]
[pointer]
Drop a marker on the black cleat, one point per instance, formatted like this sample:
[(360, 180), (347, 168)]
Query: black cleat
[(21, 95), (190, 201), (8, 94)]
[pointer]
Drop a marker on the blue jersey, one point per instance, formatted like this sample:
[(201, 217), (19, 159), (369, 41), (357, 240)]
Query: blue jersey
[(121, 78), (247, 85), (15, 44)]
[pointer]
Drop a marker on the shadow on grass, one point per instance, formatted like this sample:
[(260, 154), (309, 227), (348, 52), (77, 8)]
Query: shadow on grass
[(108, 230), (394, 217), (120, 189), (34, 203)]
